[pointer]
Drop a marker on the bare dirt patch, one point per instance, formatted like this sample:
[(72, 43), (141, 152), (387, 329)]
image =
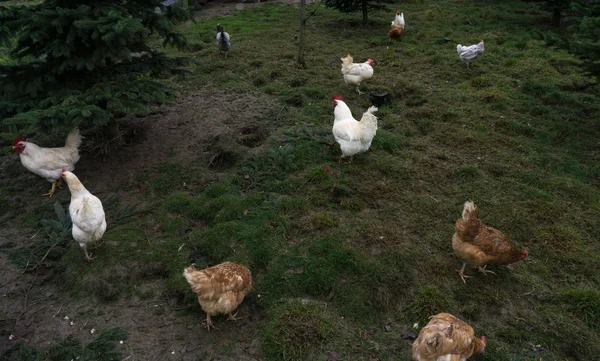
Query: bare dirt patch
[(194, 129)]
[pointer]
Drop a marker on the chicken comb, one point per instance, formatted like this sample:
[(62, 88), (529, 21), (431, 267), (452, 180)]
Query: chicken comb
[(336, 97), (17, 140)]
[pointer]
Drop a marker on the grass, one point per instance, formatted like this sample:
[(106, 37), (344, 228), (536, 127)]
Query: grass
[(338, 251)]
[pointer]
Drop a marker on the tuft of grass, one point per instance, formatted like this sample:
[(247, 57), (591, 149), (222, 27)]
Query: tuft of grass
[(298, 330), (428, 301), (585, 304)]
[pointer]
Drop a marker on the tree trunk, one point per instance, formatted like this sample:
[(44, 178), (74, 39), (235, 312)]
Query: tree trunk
[(556, 17), (364, 9), (302, 25)]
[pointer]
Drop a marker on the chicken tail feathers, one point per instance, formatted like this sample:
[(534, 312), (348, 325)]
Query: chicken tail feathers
[(369, 124), (73, 139), (347, 64), (469, 211), (197, 279), (430, 345)]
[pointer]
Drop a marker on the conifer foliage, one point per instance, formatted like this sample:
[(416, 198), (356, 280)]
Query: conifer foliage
[(85, 63), (586, 27), (349, 6)]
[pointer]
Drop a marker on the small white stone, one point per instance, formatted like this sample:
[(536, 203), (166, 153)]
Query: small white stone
[(172, 352), (121, 342), (92, 330), (66, 317), (71, 323), (416, 325), (11, 337)]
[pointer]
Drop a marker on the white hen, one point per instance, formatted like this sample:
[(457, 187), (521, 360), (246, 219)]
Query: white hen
[(468, 53), (353, 136), (354, 74), (87, 214), (49, 162), (399, 19)]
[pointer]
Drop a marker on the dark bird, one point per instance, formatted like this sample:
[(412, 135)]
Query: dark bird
[(377, 98)]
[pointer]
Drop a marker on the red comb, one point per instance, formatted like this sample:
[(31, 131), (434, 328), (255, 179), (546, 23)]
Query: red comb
[(17, 140), (337, 97)]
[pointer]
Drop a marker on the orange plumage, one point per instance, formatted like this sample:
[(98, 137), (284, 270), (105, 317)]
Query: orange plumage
[(479, 245), (395, 32), (446, 338), (220, 288)]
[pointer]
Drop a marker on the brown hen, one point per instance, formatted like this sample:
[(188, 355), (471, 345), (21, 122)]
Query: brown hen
[(395, 32), (479, 245), (220, 288), (446, 338)]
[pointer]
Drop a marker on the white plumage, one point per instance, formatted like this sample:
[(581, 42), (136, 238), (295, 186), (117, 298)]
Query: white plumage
[(49, 162), (353, 136), (468, 53), (87, 213), (399, 19), (356, 73)]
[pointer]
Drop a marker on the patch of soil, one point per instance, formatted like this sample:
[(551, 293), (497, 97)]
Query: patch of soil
[(194, 129)]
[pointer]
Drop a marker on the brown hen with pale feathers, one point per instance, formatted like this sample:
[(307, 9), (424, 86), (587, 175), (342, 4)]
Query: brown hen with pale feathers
[(395, 32), (479, 245), (220, 288), (446, 338)]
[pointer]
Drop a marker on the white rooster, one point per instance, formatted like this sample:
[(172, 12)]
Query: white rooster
[(353, 136), (49, 162), (399, 19), (468, 53), (87, 214), (354, 74), (223, 40)]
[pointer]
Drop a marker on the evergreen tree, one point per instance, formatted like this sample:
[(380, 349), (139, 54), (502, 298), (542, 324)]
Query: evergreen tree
[(586, 39), (349, 6), (85, 63)]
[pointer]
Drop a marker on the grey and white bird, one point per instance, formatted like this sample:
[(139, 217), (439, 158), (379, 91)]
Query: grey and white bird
[(223, 40), (468, 53)]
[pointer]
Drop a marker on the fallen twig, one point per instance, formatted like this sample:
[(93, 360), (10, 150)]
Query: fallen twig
[(26, 301)]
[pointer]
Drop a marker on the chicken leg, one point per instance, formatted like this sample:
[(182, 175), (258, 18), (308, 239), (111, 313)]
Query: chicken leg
[(209, 323), (52, 190), (232, 317), (485, 271), (358, 90), (88, 256), (462, 274)]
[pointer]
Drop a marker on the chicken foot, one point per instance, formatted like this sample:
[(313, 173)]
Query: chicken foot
[(485, 271), (209, 323), (358, 90), (56, 183), (232, 317), (462, 274), (88, 256)]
